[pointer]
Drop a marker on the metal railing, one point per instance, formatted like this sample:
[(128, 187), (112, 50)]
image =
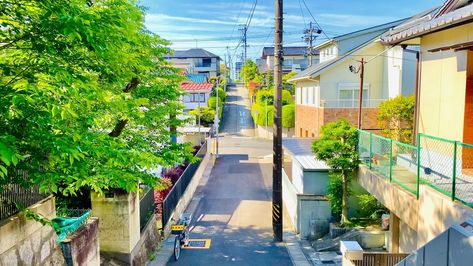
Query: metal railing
[(13, 194), (445, 165), (173, 197), (380, 259), (147, 207), (350, 103)]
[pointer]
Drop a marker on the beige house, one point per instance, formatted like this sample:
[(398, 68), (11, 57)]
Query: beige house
[(428, 186), (329, 91)]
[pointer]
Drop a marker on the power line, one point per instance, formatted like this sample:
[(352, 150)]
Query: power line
[(318, 25)]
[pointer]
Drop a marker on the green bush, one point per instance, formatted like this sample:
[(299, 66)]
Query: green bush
[(206, 116), (396, 118), (213, 103), (221, 94), (266, 96), (261, 112), (286, 97), (288, 116)]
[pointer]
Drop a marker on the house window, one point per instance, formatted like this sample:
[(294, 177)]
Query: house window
[(187, 98), (299, 95), (196, 97), (206, 62), (348, 95)]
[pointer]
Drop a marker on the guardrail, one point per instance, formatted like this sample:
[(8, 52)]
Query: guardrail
[(173, 197), (445, 165)]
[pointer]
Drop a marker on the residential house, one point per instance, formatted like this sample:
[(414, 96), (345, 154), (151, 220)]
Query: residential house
[(328, 91), (197, 94), (238, 67), (295, 59), (196, 61), (428, 186)]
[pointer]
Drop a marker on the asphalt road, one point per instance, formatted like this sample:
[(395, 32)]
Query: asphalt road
[(235, 206)]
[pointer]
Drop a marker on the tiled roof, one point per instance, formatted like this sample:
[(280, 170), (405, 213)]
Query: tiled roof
[(192, 53), (429, 25), (197, 78), (196, 87), (296, 50)]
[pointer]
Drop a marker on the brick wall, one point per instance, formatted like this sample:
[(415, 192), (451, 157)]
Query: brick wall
[(369, 116), (309, 119)]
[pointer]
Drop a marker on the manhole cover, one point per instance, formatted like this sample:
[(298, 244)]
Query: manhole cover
[(198, 244)]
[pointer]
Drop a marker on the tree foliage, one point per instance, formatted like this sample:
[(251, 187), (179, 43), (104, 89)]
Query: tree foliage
[(207, 115), (87, 100), (249, 71), (288, 116), (337, 147), (396, 118)]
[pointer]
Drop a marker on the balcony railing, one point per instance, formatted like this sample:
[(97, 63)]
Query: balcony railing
[(442, 164), (351, 103)]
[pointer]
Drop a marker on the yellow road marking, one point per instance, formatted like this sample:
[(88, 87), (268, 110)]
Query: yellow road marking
[(206, 245)]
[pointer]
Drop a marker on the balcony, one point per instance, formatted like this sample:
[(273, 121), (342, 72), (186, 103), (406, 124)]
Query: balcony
[(444, 165), (351, 103)]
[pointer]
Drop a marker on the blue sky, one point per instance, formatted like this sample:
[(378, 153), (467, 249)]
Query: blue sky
[(213, 24)]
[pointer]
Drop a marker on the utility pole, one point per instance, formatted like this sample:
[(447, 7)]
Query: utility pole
[(244, 40), (225, 72), (362, 76), (277, 129), (309, 38), (217, 118)]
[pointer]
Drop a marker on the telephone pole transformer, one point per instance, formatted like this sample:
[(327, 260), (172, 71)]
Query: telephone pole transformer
[(309, 38)]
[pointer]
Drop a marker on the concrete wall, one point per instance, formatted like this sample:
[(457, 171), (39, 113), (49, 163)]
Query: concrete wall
[(119, 215), (420, 219), (289, 192), (82, 247), (267, 132), (27, 242), (443, 83)]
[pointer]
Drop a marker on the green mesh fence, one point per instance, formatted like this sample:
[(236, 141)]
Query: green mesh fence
[(464, 174), (380, 155), (437, 159), (404, 166), (364, 143), (67, 225), (442, 164)]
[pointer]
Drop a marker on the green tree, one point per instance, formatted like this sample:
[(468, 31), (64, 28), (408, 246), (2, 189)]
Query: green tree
[(249, 71), (337, 147), (221, 94), (87, 99), (396, 118)]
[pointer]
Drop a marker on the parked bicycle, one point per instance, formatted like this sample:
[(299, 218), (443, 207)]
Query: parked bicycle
[(181, 231)]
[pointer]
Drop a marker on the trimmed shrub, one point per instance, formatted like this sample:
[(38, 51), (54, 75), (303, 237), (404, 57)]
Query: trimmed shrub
[(206, 116), (221, 94), (213, 103), (288, 116), (286, 97)]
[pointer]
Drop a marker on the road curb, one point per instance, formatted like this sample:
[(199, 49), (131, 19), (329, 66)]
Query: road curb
[(294, 249)]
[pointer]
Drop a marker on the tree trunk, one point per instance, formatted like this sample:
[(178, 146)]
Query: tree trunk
[(344, 198), (118, 129)]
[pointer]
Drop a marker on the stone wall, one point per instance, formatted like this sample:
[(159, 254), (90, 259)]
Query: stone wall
[(27, 242), (82, 247), (267, 132), (149, 242)]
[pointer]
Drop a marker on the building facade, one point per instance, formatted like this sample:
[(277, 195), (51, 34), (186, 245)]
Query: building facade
[(196, 61)]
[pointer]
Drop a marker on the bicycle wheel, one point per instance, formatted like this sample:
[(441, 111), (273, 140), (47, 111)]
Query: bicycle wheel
[(177, 247)]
